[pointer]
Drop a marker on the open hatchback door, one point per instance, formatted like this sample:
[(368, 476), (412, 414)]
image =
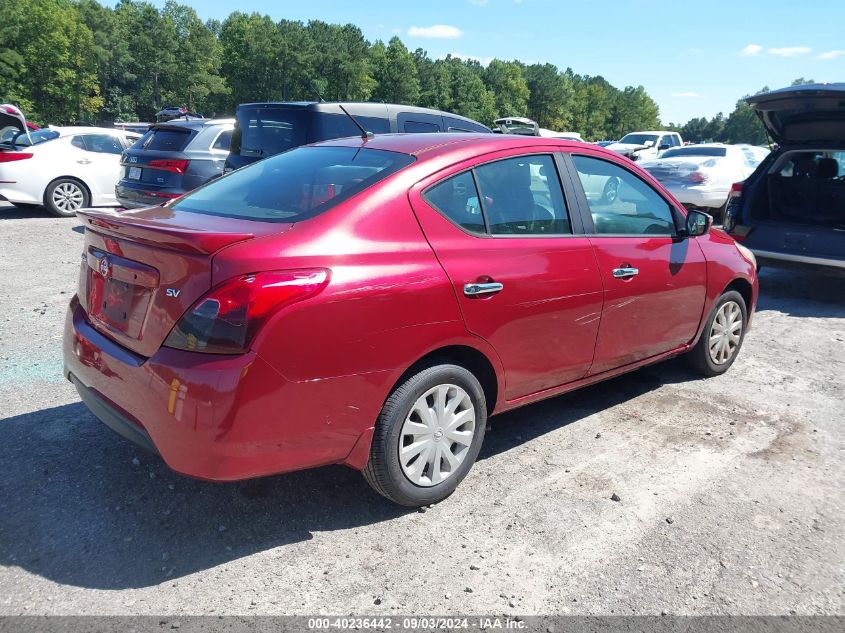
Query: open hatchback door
[(803, 114)]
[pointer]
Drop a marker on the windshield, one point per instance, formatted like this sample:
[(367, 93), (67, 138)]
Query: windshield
[(692, 150), (295, 185), (263, 132), (639, 139), (13, 136)]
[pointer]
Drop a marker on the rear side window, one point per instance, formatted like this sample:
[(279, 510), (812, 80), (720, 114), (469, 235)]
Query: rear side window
[(223, 140), (294, 186), (165, 140), (420, 127), (263, 132), (102, 143), (692, 150), (457, 199), (518, 196)]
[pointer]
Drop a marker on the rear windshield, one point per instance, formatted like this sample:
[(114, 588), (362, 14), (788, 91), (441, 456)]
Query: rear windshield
[(167, 140), (692, 150), (13, 136), (294, 186), (263, 132), (639, 139)]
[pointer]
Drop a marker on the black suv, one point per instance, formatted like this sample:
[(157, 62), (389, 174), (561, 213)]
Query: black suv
[(792, 208), (264, 129)]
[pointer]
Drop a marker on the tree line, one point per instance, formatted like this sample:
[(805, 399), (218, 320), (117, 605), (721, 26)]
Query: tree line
[(77, 61)]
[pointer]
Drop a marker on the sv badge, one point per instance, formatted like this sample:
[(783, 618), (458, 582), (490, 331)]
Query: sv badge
[(172, 292)]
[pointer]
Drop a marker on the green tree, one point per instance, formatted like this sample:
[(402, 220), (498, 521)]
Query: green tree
[(395, 73), (507, 82), (250, 45), (550, 96)]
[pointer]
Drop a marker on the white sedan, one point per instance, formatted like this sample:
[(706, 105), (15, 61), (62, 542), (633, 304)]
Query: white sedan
[(62, 168), (700, 176)]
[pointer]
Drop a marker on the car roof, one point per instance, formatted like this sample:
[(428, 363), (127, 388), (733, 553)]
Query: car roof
[(446, 142), (67, 130), (653, 132), (193, 123), (361, 108)]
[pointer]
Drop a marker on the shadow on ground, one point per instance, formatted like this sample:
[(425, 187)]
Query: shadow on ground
[(74, 507), (801, 292)]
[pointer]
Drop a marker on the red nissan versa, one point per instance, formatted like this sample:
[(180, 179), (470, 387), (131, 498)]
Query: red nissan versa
[(372, 302)]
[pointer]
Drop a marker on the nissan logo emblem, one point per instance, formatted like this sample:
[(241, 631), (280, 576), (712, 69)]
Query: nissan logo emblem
[(105, 266)]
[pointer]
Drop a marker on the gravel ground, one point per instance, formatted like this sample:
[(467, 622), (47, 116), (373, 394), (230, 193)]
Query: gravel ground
[(731, 489)]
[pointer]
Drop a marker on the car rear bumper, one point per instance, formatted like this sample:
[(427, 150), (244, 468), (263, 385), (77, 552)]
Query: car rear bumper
[(702, 198), (795, 258), (137, 195), (211, 417)]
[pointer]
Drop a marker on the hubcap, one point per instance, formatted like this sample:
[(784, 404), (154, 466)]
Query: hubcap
[(436, 435), (68, 196), (725, 333), (610, 190)]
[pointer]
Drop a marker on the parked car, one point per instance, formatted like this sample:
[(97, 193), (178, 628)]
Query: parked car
[(266, 129), (63, 168), (700, 176), (792, 208), (529, 127), (370, 302), (171, 159), (645, 145)]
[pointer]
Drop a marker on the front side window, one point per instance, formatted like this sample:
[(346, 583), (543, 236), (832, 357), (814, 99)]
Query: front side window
[(294, 186), (515, 196), (620, 203)]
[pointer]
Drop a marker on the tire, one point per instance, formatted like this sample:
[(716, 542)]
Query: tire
[(65, 196), (416, 483), (718, 213), (611, 190), (716, 361)]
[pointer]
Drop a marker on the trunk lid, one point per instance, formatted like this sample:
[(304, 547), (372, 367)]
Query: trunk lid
[(142, 270), (803, 114), (12, 123)]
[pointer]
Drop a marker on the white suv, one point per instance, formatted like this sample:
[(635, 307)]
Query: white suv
[(640, 145)]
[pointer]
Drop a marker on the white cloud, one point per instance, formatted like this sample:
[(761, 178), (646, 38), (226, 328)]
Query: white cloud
[(437, 31), (789, 51), (751, 50), (686, 95), (831, 54)]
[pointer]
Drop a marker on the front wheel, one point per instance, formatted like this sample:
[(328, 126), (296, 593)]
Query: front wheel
[(427, 436), (65, 196), (611, 190), (722, 337)]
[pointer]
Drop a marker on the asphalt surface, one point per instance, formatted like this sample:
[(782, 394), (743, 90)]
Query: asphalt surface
[(731, 489)]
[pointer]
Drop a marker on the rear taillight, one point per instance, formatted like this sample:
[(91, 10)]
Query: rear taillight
[(10, 157), (177, 166), (226, 319), (697, 177), (735, 191)]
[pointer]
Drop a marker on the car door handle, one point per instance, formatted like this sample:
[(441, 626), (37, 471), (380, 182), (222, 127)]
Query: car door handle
[(475, 289), (84, 161), (625, 272)]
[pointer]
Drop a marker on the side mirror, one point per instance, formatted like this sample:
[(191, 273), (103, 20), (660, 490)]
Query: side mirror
[(663, 146), (698, 223)]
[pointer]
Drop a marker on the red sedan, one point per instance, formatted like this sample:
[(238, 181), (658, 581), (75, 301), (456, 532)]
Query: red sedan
[(372, 302)]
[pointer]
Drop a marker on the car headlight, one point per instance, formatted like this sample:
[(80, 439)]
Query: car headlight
[(747, 254)]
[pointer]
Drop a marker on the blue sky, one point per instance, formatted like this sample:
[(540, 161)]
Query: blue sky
[(694, 57)]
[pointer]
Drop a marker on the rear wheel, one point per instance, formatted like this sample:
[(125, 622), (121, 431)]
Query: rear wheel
[(65, 196), (427, 436), (722, 337), (611, 190)]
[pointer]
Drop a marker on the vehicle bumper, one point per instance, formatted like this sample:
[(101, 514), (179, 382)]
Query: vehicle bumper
[(765, 256), (136, 195), (702, 198), (11, 192), (213, 417)]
